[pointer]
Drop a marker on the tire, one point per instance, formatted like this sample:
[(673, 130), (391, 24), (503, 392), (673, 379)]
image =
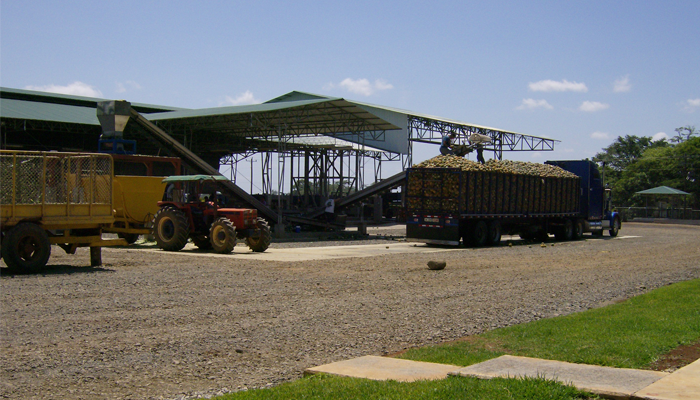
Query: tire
[(26, 248), (494, 233), (578, 230), (479, 234), (566, 232), (615, 227), (260, 240), (130, 238), (222, 236), (171, 229), (202, 242)]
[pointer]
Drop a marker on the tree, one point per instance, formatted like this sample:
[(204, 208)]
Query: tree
[(683, 134), (625, 150)]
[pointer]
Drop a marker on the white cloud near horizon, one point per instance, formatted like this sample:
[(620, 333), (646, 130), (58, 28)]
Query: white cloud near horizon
[(659, 136), (622, 85), (691, 105), (557, 86), (361, 86), (76, 88), (600, 135), (593, 106), (532, 104), (122, 87), (244, 98)]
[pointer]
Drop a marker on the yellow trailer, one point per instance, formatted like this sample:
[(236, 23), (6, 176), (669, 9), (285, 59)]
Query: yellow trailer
[(53, 198)]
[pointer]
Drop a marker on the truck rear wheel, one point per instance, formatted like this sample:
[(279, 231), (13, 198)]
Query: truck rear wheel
[(26, 248), (260, 240), (222, 236), (566, 232), (171, 228), (494, 236), (479, 234), (578, 229)]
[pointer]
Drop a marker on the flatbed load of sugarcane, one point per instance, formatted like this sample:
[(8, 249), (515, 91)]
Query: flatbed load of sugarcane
[(452, 184)]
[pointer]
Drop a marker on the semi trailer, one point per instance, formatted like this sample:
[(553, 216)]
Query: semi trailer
[(476, 204)]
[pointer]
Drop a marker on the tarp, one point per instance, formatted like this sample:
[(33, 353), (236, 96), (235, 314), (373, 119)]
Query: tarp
[(663, 190), (190, 178)]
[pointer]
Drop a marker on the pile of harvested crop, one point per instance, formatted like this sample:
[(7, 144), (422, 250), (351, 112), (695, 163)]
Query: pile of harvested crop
[(502, 166)]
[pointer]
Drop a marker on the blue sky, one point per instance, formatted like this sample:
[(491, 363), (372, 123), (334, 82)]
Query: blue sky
[(582, 72)]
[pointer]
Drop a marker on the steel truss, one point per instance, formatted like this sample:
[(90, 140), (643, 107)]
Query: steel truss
[(426, 130)]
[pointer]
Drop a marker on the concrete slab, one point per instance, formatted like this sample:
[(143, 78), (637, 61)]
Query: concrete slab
[(683, 384), (314, 253), (385, 368), (618, 383)]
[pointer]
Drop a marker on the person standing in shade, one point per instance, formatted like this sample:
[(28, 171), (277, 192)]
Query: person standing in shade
[(330, 210), (446, 145)]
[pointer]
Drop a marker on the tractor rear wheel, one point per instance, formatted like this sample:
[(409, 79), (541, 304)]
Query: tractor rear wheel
[(566, 232), (494, 233), (260, 240), (171, 229), (26, 248), (222, 236)]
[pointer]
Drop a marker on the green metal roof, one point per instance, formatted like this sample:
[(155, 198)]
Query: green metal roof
[(663, 190), (37, 111)]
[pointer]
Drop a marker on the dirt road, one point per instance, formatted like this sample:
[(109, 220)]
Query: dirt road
[(156, 325)]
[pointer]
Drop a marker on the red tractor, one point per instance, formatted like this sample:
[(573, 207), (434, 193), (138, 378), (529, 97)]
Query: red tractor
[(191, 209)]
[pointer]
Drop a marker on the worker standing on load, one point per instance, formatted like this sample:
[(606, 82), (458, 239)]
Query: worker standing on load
[(480, 153), (446, 145)]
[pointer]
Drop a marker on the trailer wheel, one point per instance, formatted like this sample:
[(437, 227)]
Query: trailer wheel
[(171, 228), (480, 233), (566, 232), (26, 248), (222, 236), (615, 229), (130, 238), (494, 236), (260, 240), (578, 229), (202, 242)]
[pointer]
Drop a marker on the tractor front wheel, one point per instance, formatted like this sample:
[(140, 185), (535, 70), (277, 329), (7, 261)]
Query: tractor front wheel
[(260, 240), (171, 229), (222, 236)]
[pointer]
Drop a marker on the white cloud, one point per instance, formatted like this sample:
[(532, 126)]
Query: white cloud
[(600, 135), (128, 85), (593, 106), (76, 88), (242, 99), (557, 86), (691, 105), (659, 136), (531, 104), (622, 84), (363, 86)]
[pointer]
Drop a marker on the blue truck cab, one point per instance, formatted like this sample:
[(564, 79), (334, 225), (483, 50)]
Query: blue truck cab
[(595, 202)]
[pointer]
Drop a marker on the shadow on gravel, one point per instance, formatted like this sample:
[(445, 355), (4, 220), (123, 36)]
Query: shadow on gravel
[(58, 270)]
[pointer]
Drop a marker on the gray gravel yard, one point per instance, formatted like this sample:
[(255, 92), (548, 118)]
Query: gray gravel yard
[(157, 325)]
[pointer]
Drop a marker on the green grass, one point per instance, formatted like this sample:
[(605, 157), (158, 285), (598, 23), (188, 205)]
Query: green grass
[(332, 387), (631, 334)]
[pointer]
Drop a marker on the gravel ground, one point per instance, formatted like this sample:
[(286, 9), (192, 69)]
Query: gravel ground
[(165, 326)]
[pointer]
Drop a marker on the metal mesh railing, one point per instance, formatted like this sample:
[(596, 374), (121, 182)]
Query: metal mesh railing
[(36, 178)]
